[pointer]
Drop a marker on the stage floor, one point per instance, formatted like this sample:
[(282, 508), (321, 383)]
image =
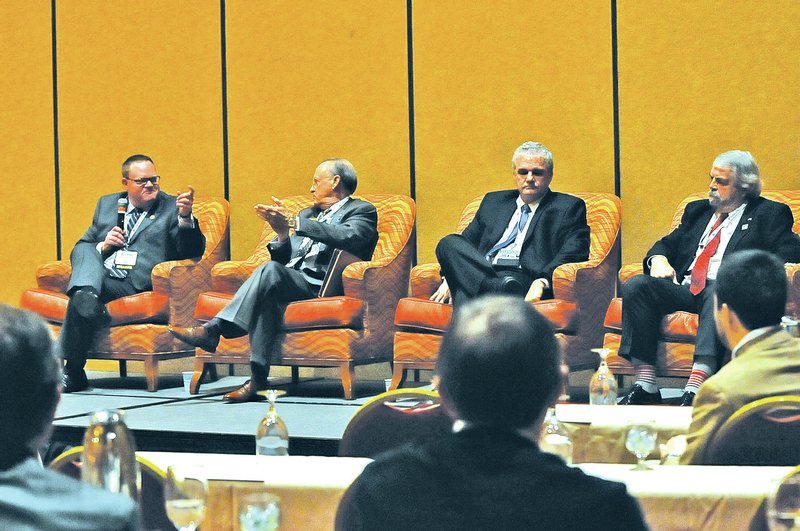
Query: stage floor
[(171, 419)]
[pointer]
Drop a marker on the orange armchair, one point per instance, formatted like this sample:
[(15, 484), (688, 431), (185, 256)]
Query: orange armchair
[(581, 292), (139, 322), (679, 329), (340, 331)]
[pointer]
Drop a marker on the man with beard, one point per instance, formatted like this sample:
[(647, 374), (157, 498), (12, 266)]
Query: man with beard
[(680, 269)]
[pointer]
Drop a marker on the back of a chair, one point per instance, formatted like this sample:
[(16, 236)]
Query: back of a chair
[(393, 418), (764, 432), (151, 492)]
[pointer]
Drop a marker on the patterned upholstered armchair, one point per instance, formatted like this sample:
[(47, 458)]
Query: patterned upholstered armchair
[(341, 331), (678, 329), (581, 291), (139, 322)]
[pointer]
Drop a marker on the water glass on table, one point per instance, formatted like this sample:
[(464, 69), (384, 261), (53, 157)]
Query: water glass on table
[(185, 500), (259, 511), (641, 440)]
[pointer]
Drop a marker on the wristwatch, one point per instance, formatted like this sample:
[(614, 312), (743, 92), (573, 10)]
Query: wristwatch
[(291, 220)]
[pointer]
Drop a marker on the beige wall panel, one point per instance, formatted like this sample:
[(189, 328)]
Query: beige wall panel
[(27, 202), (697, 79), (490, 75), (308, 80), (138, 76)]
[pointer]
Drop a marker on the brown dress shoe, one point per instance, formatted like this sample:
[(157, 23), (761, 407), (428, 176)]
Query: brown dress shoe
[(246, 393), (198, 336)]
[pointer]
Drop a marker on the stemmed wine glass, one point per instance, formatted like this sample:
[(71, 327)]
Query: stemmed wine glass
[(783, 504), (185, 500), (641, 440)]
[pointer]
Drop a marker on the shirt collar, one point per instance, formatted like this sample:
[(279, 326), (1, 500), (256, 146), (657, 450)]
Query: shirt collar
[(752, 335)]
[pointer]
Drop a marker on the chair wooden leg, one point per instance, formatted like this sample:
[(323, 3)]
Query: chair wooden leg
[(212, 371), (295, 374), (123, 368), (416, 375), (398, 376), (348, 377), (151, 373)]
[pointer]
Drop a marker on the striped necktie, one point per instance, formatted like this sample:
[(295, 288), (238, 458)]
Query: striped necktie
[(113, 271)]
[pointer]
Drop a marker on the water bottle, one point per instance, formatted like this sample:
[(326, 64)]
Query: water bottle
[(109, 454), (272, 437), (554, 438)]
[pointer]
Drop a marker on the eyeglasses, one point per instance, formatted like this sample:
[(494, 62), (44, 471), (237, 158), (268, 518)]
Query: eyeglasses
[(538, 172), (144, 180)]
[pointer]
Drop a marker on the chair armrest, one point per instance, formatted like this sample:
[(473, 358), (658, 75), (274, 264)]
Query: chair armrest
[(228, 276), (54, 276), (630, 270), (425, 280)]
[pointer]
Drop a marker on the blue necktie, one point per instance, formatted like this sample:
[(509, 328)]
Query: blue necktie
[(525, 210), (133, 217)]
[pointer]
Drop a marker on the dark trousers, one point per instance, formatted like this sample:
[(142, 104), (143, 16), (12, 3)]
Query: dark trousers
[(467, 271), (258, 305), (646, 300), (79, 334)]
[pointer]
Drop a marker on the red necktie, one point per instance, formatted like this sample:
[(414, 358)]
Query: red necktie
[(700, 269)]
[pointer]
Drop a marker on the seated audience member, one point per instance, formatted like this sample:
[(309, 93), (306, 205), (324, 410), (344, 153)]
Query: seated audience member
[(33, 497), (301, 253), (517, 238), (749, 301), (110, 262), (681, 268), (498, 371)]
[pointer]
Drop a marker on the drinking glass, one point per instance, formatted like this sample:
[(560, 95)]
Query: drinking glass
[(603, 385), (259, 511), (783, 504), (185, 500), (641, 440)]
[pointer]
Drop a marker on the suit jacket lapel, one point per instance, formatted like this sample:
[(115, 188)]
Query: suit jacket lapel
[(504, 214), (544, 204), (743, 227), (152, 215)]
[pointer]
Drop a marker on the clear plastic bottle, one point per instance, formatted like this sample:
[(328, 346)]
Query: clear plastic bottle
[(272, 437), (109, 454), (554, 438), (603, 385)]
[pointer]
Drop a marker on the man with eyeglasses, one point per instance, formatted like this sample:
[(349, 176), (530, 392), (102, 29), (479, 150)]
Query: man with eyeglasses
[(517, 238), (131, 232)]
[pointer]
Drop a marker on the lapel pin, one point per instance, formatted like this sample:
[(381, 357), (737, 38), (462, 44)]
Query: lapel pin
[(744, 227)]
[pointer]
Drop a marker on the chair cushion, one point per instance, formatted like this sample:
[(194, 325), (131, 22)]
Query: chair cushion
[(146, 307), (677, 326), (559, 312), (423, 314), (326, 312)]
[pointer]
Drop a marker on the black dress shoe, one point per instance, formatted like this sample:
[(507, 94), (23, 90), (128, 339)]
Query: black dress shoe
[(73, 381), (87, 304), (687, 399), (246, 393), (206, 338), (639, 397)]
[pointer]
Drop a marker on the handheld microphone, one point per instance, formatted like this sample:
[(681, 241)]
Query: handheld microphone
[(122, 208)]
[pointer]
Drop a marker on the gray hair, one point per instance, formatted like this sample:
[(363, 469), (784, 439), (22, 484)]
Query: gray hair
[(531, 149), (745, 170), (346, 172)]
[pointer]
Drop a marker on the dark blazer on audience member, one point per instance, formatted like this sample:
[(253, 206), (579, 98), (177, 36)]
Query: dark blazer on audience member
[(33, 498), (558, 233), (764, 225), (483, 478)]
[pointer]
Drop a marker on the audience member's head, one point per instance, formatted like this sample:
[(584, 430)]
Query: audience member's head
[(499, 363), (752, 286), (30, 376)]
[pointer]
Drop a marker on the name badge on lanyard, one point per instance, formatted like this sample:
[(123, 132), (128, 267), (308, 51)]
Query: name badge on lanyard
[(124, 259)]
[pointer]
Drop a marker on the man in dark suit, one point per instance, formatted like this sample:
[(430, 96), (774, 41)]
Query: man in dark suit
[(517, 238), (110, 262), (298, 266), (681, 267), (498, 370), (33, 497)]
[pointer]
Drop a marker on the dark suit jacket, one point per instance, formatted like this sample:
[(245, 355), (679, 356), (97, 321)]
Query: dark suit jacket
[(354, 228), (482, 478), (558, 233), (765, 225), (35, 498), (157, 239)]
